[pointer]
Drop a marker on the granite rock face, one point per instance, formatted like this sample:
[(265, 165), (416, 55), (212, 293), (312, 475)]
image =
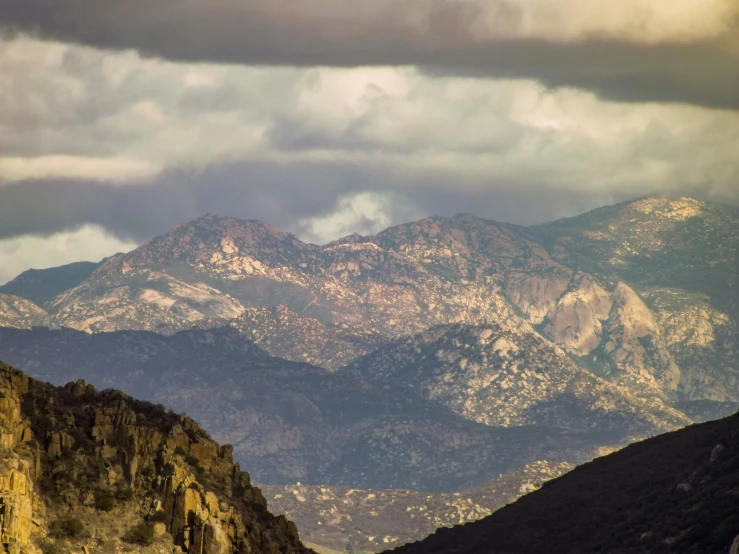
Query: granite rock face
[(680, 257)]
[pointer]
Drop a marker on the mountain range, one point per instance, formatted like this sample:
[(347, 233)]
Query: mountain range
[(431, 357)]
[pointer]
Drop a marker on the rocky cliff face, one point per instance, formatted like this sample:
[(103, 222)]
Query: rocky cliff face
[(680, 257), (80, 445)]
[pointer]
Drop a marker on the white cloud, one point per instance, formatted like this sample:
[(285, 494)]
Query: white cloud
[(73, 112), (89, 243), (18, 168), (645, 21), (364, 213)]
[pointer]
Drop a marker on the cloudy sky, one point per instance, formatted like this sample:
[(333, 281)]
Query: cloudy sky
[(120, 119)]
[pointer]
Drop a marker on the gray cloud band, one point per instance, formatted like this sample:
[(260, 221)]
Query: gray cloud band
[(322, 33), (279, 194)]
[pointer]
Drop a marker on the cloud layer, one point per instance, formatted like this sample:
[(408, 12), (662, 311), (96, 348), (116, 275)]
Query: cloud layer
[(322, 117), (633, 50), (138, 145)]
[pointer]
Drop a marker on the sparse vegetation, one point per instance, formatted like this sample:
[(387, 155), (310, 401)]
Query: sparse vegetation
[(104, 500), (51, 547), (66, 527), (142, 534), (192, 460)]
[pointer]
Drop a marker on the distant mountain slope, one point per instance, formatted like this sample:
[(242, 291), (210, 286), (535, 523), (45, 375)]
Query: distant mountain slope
[(497, 376), (654, 241), (300, 338), (21, 313), (370, 520), (404, 280), (216, 267), (43, 285), (101, 472), (681, 256), (295, 422), (672, 493)]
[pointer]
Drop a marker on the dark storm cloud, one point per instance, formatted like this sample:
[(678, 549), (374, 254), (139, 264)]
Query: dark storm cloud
[(435, 35), (278, 194)]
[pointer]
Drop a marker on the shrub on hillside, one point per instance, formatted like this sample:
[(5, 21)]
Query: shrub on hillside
[(142, 534), (66, 527), (104, 500)]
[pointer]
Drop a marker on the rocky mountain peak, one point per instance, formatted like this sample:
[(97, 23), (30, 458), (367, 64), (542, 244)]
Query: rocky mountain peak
[(670, 208), (214, 240)]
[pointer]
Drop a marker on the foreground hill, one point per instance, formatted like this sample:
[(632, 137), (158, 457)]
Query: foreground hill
[(672, 493), (100, 471), (295, 422)]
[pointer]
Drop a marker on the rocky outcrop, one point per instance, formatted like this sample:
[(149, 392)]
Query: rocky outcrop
[(576, 320), (17, 468), (89, 442), (635, 346)]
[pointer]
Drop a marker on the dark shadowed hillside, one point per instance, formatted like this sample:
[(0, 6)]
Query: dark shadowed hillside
[(673, 493), (43, 285)]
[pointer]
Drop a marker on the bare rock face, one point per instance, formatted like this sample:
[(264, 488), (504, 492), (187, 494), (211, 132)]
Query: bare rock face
[(679, 256), (635, 344), (21, 313), (576, 320), (78, 443)]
